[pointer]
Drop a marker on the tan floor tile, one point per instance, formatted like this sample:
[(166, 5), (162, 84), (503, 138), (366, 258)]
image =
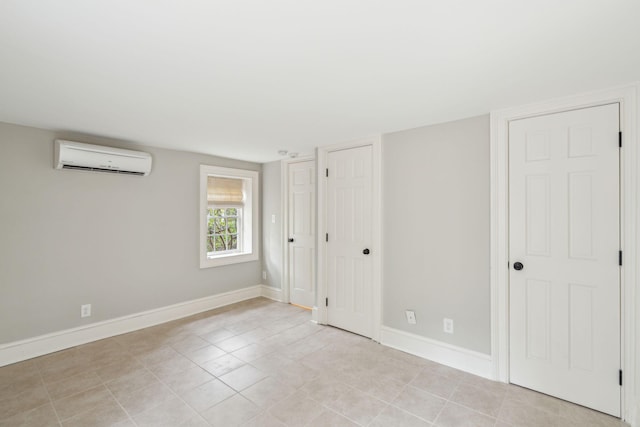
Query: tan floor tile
[(382, 388), (11, 385), (73, 385), (519, 414), (243, 377), (272, 362), (171, 413), (297, 409), (222, 365), (296, 374), (420, 403), (435, 384), (25, 401), (195, 421), (331, 419), (159, 355), (66, 368), (454, 415), (233, 343), (136, 380), (264, 419), (204, 354), (42, 416), (217, 335), (326, 389), (188, 379), (207, 395), (478, 399), (72, 405), (118, 369), (233, 411), (358, 406), (189, 343), (392, 416), (172, 367), (146, 398), (106, 414), (305, 365), (267, 392), (252, 352), (18, 370)]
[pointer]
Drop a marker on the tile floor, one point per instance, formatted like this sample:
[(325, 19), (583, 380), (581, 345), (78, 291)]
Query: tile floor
[(261, 363)]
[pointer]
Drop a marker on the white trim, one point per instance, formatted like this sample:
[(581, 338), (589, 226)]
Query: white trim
[(32, 347), (250, 215), (466, 360), (314, 314), (272, 293), (376, 250), (627, 97), (284, 197)]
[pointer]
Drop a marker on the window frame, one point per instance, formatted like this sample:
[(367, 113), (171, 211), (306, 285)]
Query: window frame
[(249, 239)]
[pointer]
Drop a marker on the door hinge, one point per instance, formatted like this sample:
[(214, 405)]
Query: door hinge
[(620, 377), (619, 257), (326, 237), (326, 171), (620, 139), (326, 304)]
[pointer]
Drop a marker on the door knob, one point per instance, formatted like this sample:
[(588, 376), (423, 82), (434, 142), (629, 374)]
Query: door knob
[(290, 240), (518, 266), (366, 251)]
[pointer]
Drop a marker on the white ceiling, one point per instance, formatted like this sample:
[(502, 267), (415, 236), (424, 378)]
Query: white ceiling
[(243, 79)]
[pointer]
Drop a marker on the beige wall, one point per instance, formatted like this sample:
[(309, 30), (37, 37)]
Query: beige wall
[(122, 243), (272, 235), (436, 231)]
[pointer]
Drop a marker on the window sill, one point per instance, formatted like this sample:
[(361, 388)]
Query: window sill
[(227, 259)]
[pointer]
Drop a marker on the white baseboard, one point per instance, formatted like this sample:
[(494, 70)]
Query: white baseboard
[(446, 354), (314, 314), (272, 293), (26, 349)]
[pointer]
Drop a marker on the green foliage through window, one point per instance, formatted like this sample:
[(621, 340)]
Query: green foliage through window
[(222, 229)]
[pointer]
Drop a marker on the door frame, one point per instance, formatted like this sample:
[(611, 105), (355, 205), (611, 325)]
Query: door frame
[(626, 96), (284, 197), (320, 310)]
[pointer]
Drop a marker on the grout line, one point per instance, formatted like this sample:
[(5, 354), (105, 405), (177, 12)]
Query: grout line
[(55, 411)]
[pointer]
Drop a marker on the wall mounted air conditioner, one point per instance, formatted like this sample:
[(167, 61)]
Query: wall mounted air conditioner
[(88, 157)]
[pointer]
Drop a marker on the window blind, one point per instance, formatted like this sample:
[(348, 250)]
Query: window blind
[(224, 191)]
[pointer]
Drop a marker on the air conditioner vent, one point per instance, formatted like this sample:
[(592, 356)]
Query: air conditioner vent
[(95, 158), (87, 168)]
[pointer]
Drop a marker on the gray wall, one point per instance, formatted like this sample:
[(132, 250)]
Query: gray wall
[(272, 234), (124, 244), (436, 231)]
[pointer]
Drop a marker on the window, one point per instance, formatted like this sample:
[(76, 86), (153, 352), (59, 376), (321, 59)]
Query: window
[(223, 230), (229, 216)]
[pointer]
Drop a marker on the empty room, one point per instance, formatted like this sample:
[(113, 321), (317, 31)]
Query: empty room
[(299, 213)]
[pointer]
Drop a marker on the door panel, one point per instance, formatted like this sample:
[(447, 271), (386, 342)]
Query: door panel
[(301, 228), (349, 270), (564, 228)]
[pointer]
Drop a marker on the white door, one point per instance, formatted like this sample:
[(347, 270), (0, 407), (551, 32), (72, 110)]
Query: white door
[(349, 225), (302, 232), (564, 279)]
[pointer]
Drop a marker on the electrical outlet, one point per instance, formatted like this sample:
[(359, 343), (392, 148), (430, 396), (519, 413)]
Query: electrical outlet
[(264, 275), (85, 310), (411, 317), (447, 325)]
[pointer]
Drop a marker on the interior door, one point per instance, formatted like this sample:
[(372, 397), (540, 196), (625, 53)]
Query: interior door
[(301, 232), (564, 279), (349, 225)]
